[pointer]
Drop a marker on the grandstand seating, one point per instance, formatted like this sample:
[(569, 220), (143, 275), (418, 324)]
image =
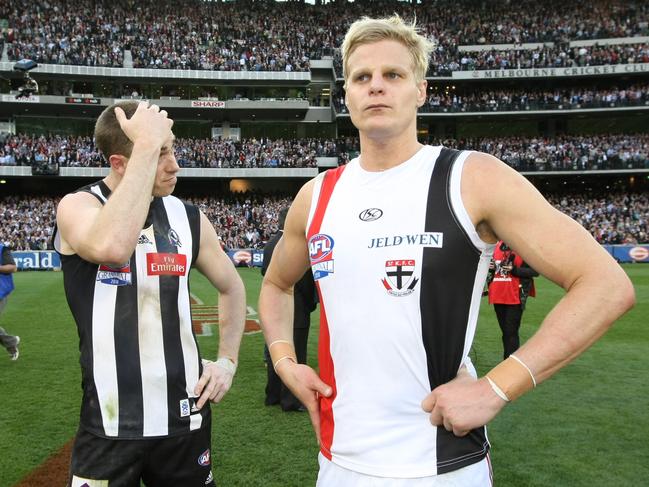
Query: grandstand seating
[(555, 87), (248, 220)]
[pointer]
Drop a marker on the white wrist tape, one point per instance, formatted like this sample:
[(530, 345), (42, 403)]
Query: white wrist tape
[(227, 364)]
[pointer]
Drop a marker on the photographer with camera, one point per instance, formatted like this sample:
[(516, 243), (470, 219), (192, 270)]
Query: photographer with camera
[(29, 86), (511, 282)]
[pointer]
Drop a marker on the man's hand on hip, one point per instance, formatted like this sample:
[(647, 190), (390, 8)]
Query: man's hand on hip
[(462, 404)]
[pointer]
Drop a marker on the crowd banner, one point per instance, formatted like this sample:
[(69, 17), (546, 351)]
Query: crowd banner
[(246, 257), (629, 253), (36, 260), (50, 260)]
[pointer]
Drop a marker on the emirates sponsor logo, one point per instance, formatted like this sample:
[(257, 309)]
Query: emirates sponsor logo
[(159, 264)]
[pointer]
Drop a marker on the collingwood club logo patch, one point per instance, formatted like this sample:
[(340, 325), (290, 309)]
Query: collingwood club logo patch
[(370, 215), (173, 238), (400, 277)]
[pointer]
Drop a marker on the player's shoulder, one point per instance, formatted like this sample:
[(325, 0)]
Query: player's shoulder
[(94, 194)]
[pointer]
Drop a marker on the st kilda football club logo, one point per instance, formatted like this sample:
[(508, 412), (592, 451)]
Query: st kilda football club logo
[(400, 277)]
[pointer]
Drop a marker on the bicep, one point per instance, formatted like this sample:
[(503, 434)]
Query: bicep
[(75, 216), (289, 262), (290, 258), (549, 241)]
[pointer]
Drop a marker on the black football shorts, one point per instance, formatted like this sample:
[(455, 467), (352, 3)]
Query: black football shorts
[(176, 461)]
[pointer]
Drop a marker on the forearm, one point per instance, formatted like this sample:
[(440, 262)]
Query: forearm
[(8, 268), (232, 318), (121, 219), (276, 312), (589, 308)]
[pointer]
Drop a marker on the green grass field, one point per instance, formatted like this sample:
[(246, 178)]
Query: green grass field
[(587, 426)]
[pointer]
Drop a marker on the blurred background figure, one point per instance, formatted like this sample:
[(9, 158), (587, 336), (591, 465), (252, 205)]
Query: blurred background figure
[(305, 301), (7, 268), (511, 284)]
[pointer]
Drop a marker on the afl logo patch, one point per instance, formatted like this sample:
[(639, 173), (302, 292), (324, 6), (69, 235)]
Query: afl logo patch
[(320, 246), (321, 255), (204, 459), (370, 215)]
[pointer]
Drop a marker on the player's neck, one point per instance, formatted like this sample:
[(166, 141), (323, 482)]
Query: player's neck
[(112, 181), (382, 154)]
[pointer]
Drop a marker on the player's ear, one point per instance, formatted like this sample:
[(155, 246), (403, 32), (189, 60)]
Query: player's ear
[(118, 163), (421, 92)]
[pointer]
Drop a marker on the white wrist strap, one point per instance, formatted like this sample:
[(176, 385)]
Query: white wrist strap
[(526, 367), (499, 392)]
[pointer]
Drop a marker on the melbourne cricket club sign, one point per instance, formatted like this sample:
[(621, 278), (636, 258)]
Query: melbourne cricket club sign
[(554, 72)]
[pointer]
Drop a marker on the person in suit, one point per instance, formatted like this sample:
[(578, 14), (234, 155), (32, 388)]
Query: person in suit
[(305, 301)]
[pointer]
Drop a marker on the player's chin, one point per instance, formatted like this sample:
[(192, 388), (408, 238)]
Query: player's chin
[(162, 191)]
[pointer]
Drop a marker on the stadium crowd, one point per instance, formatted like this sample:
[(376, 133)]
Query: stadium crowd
[(564, 152), (269, 36), (248, 220), (443, 62), (450, 99), (560, 153), (243, 221), (615, 218), (80, 151), (27, 221)]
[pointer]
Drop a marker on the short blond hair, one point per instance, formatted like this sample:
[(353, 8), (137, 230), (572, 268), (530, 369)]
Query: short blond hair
[(368, 30)]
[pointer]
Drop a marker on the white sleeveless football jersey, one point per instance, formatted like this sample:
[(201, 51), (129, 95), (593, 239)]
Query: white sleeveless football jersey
[(400, 270)]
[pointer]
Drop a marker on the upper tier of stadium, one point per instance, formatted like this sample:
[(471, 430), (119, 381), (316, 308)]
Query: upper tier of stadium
[(271, 36)]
